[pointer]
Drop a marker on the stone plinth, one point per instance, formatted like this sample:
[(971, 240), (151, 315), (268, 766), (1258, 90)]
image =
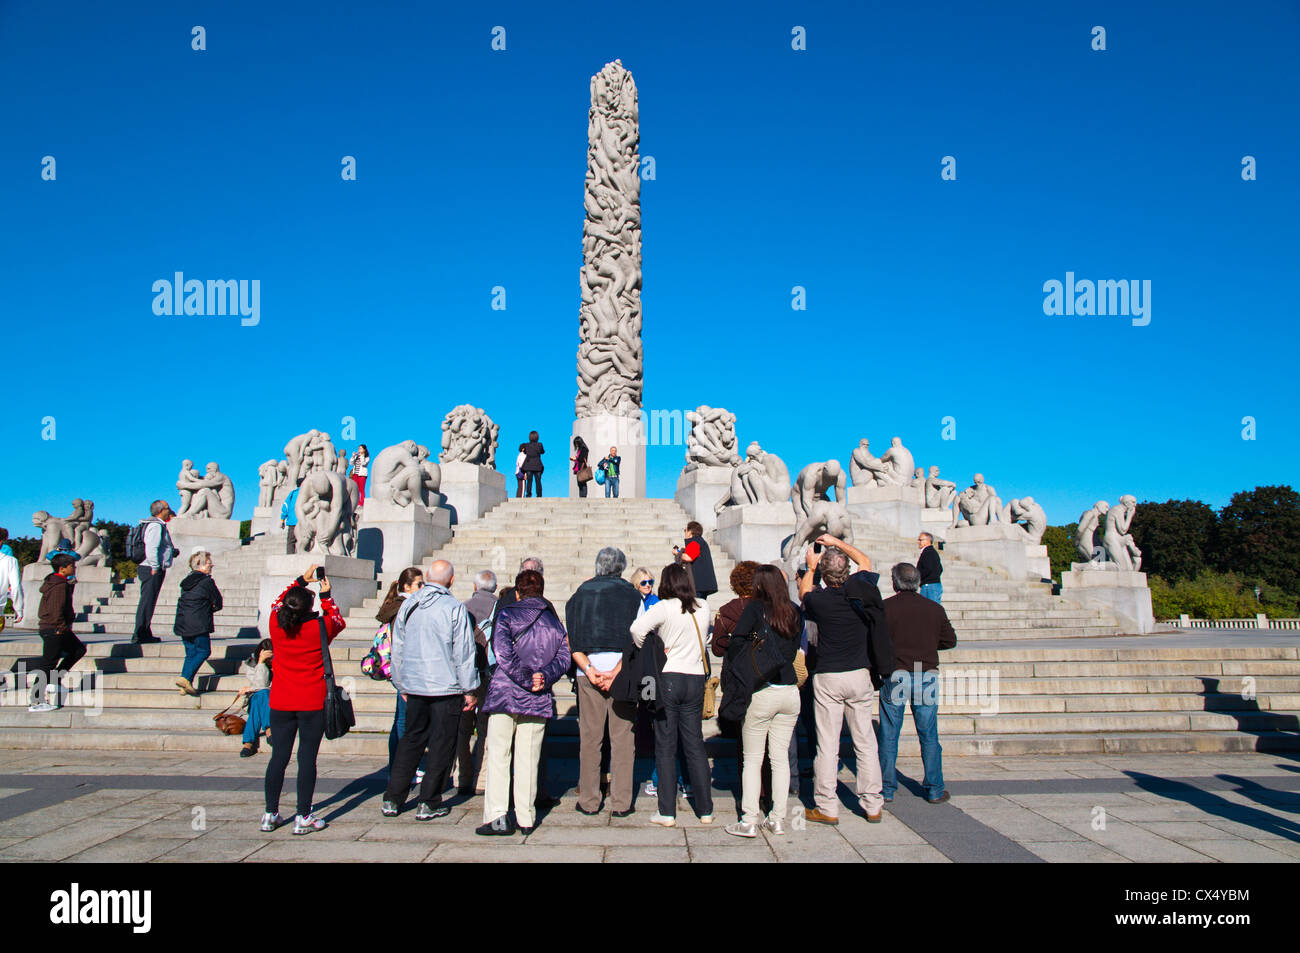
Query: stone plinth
[(936, 522), (699, 490), (470, 490), (352, 581), (394, 537), (213, 535), (896, 509), (1121, 592), (600, 433), (755, 531), (93, 583), (266, 521), (1038, 562), (998, 545)]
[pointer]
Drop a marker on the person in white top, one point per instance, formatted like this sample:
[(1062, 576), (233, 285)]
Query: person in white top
[(158, 555), (519, 473), (681, 620), (360, 469), (11, 585)]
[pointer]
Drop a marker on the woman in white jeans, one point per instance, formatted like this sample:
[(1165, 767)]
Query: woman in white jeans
[(774, 706)]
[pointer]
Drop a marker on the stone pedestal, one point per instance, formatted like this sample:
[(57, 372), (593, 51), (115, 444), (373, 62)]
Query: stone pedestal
[(699, 490), (93, 583), (601, 433), (214, 536), (936, 522), (352, 581), (999, 545), (1104, 586), (394, 537), (470, 490), (266, 521), (896, 509), (755, 531), (1038, 562)]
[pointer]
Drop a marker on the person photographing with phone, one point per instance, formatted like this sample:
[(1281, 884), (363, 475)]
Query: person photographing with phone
[(297, 698)]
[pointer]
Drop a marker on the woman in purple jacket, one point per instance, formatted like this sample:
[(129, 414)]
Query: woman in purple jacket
[(532, 651)]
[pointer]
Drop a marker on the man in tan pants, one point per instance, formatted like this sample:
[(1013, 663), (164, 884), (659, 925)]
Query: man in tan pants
[(847, 648)]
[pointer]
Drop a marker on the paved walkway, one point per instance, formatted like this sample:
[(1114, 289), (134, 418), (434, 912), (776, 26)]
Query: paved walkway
[(146, 806)]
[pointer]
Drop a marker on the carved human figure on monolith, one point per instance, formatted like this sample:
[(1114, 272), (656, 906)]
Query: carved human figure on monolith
[(900, 462), (188, 482), (83, 514), (469, 436), (52, 530), (609, 347), (1085, 534), (298, 455), (711, 441), (1033, 517), (762, 478), (814, 483), (939, 494), (325, 514), (978, 503), (1116, 540), (865, 467), (824, 516), (270, 476), (403, 474)]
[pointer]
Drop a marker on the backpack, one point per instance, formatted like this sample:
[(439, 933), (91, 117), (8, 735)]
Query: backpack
[(378, 663), (135, 543)]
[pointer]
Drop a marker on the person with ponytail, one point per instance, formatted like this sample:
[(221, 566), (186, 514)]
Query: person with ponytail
[(408, 581), (774, 706), (298, 693)]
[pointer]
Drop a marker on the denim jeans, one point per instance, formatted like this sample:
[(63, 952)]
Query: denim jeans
[(197, 650), (611, 487), (259, 715), (933, 591), (923, 692), (681, 706)]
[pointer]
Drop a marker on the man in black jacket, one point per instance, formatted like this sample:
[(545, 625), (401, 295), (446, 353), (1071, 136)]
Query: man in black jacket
[(930, 567), (853, 654), (919, 629), (598, 616), (60, 648)]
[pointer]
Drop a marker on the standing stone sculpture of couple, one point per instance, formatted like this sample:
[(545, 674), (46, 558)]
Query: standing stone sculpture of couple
[(208, 495)]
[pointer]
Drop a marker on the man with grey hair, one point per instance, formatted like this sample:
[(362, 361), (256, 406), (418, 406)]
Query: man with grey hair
[(599, 616), (158, 555), (930, 568), (853, 656), (919, 629), (433, 669), (482, 607)]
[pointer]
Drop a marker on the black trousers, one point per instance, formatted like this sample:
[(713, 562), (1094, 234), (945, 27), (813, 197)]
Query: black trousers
[(681, 707), (309, 728), (533, 478), (290, 540), (432, 724), (151, 581), (59, 652)]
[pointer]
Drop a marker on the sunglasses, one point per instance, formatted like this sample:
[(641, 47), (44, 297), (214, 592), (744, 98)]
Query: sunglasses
[(646, 582)]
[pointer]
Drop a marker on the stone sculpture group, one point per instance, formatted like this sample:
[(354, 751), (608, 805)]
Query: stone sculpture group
[(403, 474), (711, 441), (210, 495), (469, 436), (761, 478), (895, 468), (1117, 546), (91, 548), (327, 513)]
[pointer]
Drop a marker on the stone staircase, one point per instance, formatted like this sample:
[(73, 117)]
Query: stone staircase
[(1072, 693)]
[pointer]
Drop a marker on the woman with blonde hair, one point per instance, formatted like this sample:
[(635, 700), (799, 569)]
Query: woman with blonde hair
[(200, 600)]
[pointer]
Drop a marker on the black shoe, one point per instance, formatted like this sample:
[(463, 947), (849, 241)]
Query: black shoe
[(940, 799), (146, 640), (628, 813), (501, 827), (248, 752), (427, 812), (465, 792), (527, 830), (579, 809), (544, 802)]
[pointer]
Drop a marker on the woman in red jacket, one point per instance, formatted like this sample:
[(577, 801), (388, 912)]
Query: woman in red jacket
[(298, 693)]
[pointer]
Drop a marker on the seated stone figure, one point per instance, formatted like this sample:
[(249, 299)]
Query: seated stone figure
[(864, 467), (404, 474), (1033, 516), (188, 482), (1085, 535), (900, 462), (212, 497), (761, 478), (978, 503), (814, 483), (824, 516), (1118, 543), (939, 494)]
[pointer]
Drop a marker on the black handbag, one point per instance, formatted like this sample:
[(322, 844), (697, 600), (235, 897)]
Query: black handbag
[(339, 716), (637, 681), (880, 650)]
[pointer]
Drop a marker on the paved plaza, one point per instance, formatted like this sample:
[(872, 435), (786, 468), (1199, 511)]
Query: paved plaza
[(132, 807)]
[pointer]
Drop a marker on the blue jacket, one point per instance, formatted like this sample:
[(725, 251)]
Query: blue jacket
[(289, 509), (433, 645)]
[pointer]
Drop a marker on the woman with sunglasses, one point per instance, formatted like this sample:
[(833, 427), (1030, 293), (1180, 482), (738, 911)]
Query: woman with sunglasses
[(644, 581)]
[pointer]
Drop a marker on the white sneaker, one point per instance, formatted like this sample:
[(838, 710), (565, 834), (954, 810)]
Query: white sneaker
[(418, 779), (663, 821), (305, 824), (741, 829), (270, 822), (706, 819), (42, 707), (650, 790), (774, 825)]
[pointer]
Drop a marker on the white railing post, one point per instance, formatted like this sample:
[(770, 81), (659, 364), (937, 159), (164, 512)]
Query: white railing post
[(1184, 622), (1261, 620)]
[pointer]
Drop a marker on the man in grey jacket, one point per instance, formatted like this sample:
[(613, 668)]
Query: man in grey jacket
[(434, 671), (158, 555)]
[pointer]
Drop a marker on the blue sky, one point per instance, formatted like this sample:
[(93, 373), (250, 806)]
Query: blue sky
[(775, 168)]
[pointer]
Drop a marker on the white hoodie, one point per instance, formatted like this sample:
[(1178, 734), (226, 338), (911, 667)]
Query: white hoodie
[(11, 583)]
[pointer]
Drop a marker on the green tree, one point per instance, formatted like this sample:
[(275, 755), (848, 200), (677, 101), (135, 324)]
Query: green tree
[(26, 548), (1176, 538), (1059, 541), (1259, 537)]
